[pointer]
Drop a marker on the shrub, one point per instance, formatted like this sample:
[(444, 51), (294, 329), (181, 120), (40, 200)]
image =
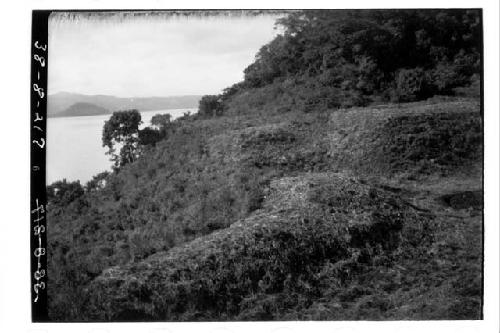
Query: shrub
[(411, 84), (150, 136), (210, 106), (62, 193), (97, 182)]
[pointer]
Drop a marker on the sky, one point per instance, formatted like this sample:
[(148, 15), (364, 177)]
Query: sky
[(161, 55)]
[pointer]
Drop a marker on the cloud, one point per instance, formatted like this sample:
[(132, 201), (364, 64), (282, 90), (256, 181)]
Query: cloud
[(160, 56)]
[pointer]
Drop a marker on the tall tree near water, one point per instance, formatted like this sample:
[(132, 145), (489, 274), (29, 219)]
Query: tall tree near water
[(122, 129)]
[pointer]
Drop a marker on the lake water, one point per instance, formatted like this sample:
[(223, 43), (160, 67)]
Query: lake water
[(74, 146)]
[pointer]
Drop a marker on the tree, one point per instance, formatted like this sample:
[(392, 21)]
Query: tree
[(411, 85), (97, 182), (161, 121), (373, 54), (63, 192), (160, 125), (210, 106), (122, 129), (149, 136)]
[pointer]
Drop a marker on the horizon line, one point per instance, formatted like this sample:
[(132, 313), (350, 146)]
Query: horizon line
[(151, 96)]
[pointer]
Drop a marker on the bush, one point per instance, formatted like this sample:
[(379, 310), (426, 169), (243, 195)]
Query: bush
[(411, 84), (210, 106), (62, 193), (161, 121), (97, 182), (150, 136), (440, 141)]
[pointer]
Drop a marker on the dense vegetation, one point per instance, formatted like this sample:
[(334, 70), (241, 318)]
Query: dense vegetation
[(343, 58), (253, 209)]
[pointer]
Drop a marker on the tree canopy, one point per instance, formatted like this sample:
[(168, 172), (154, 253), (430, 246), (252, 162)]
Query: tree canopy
[(384, 54), (209, 106), (122, 129), (161, 121), (63, 192)]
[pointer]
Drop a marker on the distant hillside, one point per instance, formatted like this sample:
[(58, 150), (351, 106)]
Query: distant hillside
[(60, 102), (82, 109)]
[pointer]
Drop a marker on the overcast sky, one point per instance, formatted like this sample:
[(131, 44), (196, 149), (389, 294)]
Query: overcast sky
[(152, 56)]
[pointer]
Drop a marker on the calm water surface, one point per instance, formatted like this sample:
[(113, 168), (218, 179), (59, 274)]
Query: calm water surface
[(74, 146)]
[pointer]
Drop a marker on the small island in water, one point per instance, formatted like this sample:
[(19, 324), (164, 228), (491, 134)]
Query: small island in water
[(82, 109), (64, 104)]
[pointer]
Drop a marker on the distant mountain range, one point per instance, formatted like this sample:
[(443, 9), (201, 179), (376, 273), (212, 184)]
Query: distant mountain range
[(66, 104)]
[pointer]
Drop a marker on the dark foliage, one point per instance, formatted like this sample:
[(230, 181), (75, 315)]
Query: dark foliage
[(161, 127), (61, 193), (463, 200), (149, 136), (210, 106), (398, 55), (161, 121), (97, 182), (433, 142)]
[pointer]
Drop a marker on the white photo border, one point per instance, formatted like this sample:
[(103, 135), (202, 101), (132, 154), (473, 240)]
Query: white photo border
[(15, 296)]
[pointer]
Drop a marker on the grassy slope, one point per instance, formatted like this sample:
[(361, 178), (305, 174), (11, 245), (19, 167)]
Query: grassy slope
[(179, 199)]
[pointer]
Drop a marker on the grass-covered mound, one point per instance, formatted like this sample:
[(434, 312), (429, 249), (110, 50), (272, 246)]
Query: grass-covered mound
[(212, 173), (413, 139), (313, 229)]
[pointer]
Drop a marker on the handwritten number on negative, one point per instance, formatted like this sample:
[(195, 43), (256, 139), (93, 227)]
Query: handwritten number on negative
[(39, 274), (38, 229), (41, 47), (38, 117), (40, 143), (39, 90), (41, 60), (39, 251)]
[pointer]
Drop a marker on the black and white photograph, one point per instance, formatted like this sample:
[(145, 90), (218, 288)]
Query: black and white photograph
[(257, 165), (264, 165)]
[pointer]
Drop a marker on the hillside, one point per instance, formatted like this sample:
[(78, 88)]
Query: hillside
[(60, 102), (299, 189), (82, 109), (316, 189)]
